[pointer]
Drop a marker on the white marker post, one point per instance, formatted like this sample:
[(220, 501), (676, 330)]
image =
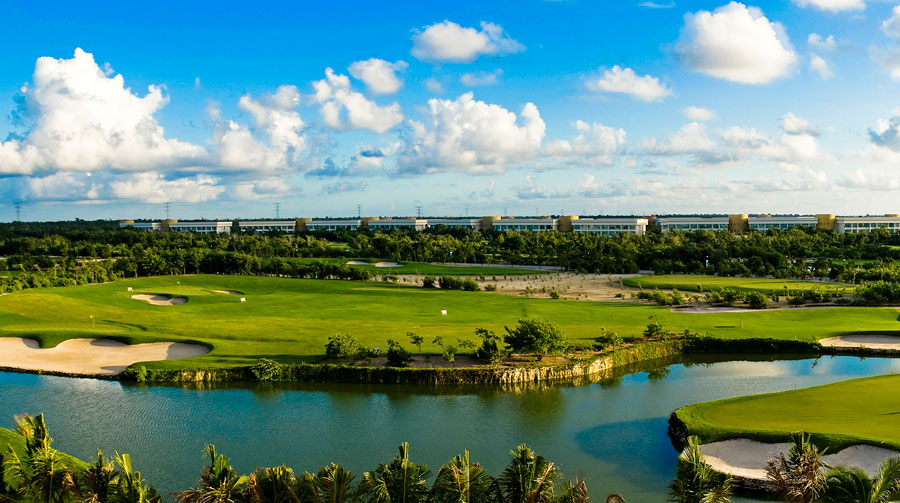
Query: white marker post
[(443, 312), (243, 299), (130, 289)]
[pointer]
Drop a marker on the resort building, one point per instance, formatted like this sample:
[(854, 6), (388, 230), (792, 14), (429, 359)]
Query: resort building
[(388, 224), (607, 226), (202, 227), (525, 224), (766, 222), (306, 224), (853, 225), (262, 226), (141, 226), (476, 224), (718, 223)]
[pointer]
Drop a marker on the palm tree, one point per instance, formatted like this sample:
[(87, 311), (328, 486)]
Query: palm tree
[(574, 492), (696, 481), (94, 483), (529, 477), (275, 485), (853, 485), (459, 481), (401, 481), (799, 477), (130, 487), (615, 498), (334, 484), (39, 474), (220, 483)]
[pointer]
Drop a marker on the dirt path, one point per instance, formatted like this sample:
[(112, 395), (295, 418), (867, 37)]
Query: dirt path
[(89, 356)]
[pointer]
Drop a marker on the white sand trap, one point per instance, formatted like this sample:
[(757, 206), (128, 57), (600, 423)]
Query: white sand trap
[(871, 341), (229, 292), (357, 262), (748, 458), (89, 356), (161, 300), (386, 264)]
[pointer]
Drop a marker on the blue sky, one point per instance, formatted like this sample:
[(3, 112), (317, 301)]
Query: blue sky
[(524, 107)]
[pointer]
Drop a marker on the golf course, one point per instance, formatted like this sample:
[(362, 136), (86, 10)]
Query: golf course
[(705, 283), (838, 414), (290, 320)]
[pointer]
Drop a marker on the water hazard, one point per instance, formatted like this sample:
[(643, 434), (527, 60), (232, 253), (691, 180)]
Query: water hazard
[(614, 431)]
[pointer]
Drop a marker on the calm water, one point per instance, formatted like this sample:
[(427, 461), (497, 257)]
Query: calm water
[(614, 432)]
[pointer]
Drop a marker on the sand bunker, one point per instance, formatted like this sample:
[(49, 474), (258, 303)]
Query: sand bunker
[(747, 458), (89, 356), (714, 309), (870, 341), (386, 264), (161, 300), (357, 262), (229, 292)]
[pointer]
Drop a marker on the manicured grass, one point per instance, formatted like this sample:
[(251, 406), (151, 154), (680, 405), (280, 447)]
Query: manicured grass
[(432, 269), (839, 414), (290, 320), (17, 442), (699, 282)]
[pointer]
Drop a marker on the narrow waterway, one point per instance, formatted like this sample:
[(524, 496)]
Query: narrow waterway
[(614, 432)]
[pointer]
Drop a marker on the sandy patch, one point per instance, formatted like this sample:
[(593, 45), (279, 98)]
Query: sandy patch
[(386, 264), (870, 341), (89, 356), (357, 262), (161, 300), (747, 458), (700, 310), (229, 292)]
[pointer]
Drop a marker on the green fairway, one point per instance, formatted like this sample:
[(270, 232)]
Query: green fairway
[(291, 319), (703, 283), (840, 414), (434, 269)]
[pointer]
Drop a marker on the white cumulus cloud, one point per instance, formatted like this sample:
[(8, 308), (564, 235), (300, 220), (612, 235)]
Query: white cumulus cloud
[(737, 43), (448, 41), (154, 188), (816, 41), (595, 142), (85, 119), (891, 25), (833, 5), (473, 136), (818, 65), (474, 79), (379, 75), (343, 108), (624, 80), (698, 113)]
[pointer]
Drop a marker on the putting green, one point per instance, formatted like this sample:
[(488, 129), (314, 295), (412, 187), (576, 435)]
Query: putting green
[(840, 414), (697, 282), (290, 320)]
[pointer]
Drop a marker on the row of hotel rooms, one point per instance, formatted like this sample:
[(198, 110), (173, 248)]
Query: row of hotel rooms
[(601, 225)]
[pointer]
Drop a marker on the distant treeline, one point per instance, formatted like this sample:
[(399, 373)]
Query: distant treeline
[(793, 253)]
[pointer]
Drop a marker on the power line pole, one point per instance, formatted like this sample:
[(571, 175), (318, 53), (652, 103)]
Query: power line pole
[(467, 210), (277, 211), (168, 207), (358, 211), (18, 205), (418, 211)]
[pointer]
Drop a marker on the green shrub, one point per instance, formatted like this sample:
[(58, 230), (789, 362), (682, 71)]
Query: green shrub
[(656, 330), (397, 356), (554, 294), (490, 350), (490, 288), (607, 338), (536, 336), (676, 299), (428, 282), (470, 285), (344, 346), (757, 300), (266, 370)]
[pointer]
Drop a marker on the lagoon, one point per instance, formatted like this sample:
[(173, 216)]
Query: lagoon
[(612, 431)]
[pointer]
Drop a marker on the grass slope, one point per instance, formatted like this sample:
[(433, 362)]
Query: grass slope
[(838, 414), (699, 282), (290, 320)]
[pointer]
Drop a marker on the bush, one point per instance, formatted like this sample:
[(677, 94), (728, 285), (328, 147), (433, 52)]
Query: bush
[(396, 355), (608, 339), (428, 282), (554, 294), (796, 300), (266, 370), (490, 288), (757, 300), (676, 298), (490, 350), (343, 346), (656, 330), (470, 285), (536, 336)]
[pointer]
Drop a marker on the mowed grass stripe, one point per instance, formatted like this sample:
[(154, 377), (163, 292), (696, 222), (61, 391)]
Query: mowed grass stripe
[(697, 282), (841, 414), (291, 320)]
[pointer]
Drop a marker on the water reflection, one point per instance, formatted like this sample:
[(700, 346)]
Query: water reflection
[(613, 428)]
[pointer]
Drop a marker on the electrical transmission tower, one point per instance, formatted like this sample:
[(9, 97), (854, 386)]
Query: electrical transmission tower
[(277, 211), (418, 211), (168, 208), (18, 205), (358, 211)]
